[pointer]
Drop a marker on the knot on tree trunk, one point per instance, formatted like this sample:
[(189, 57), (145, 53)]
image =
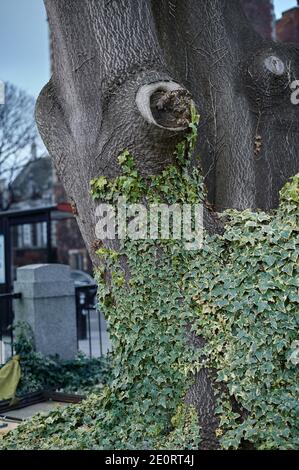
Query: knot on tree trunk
[(171, 108), (165, 104)]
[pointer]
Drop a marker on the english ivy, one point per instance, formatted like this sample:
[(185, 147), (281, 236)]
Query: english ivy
[(240, 291)]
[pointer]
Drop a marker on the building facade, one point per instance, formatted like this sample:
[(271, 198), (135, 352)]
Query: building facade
[(261, 13), (35, 187), (287, 27)]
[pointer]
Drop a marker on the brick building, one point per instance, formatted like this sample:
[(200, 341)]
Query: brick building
[(262, 15), (37, 186), (287, 27)]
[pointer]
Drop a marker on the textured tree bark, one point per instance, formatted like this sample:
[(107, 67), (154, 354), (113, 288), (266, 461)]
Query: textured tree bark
[(123, 75)]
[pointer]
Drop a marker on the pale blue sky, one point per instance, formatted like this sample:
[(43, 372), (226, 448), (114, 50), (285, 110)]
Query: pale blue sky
[(283, 5), (24, 54)]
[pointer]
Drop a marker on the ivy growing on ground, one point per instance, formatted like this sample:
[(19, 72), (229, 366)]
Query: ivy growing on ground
[(51, 373), (240, 291)]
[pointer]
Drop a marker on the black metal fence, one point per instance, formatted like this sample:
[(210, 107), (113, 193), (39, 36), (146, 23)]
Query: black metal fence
[(6, 321), (90, 324)]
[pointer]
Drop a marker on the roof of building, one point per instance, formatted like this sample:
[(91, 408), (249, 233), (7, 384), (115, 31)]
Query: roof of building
[(33, 186)]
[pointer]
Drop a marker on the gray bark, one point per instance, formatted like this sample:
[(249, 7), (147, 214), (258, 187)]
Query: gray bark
[(106, 50)]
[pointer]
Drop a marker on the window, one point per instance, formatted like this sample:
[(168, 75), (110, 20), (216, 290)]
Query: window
[(78, 259), (30, 236)]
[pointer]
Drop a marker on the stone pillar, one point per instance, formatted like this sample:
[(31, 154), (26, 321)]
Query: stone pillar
[(48, 306)]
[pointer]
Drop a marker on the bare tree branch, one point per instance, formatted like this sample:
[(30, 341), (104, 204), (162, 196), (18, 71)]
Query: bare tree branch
[(17, 130)]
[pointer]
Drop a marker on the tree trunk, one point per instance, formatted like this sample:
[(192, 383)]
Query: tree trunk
[(115, 60)]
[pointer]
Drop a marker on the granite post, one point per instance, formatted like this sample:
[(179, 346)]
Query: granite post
[(48, 306)]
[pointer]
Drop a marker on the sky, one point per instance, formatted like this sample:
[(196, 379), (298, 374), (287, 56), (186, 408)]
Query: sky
[(282, 5), (24, 54), (24, 51)]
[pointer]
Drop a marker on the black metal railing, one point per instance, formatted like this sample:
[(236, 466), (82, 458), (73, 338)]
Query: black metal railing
[(6, 322), (89, 325), (11, 296)]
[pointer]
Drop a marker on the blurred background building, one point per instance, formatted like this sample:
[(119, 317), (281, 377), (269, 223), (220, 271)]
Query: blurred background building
[(287, 27), (262, 15), (35, 187)]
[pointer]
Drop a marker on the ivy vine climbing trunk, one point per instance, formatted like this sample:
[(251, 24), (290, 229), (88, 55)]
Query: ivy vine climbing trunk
[(124, 76)]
